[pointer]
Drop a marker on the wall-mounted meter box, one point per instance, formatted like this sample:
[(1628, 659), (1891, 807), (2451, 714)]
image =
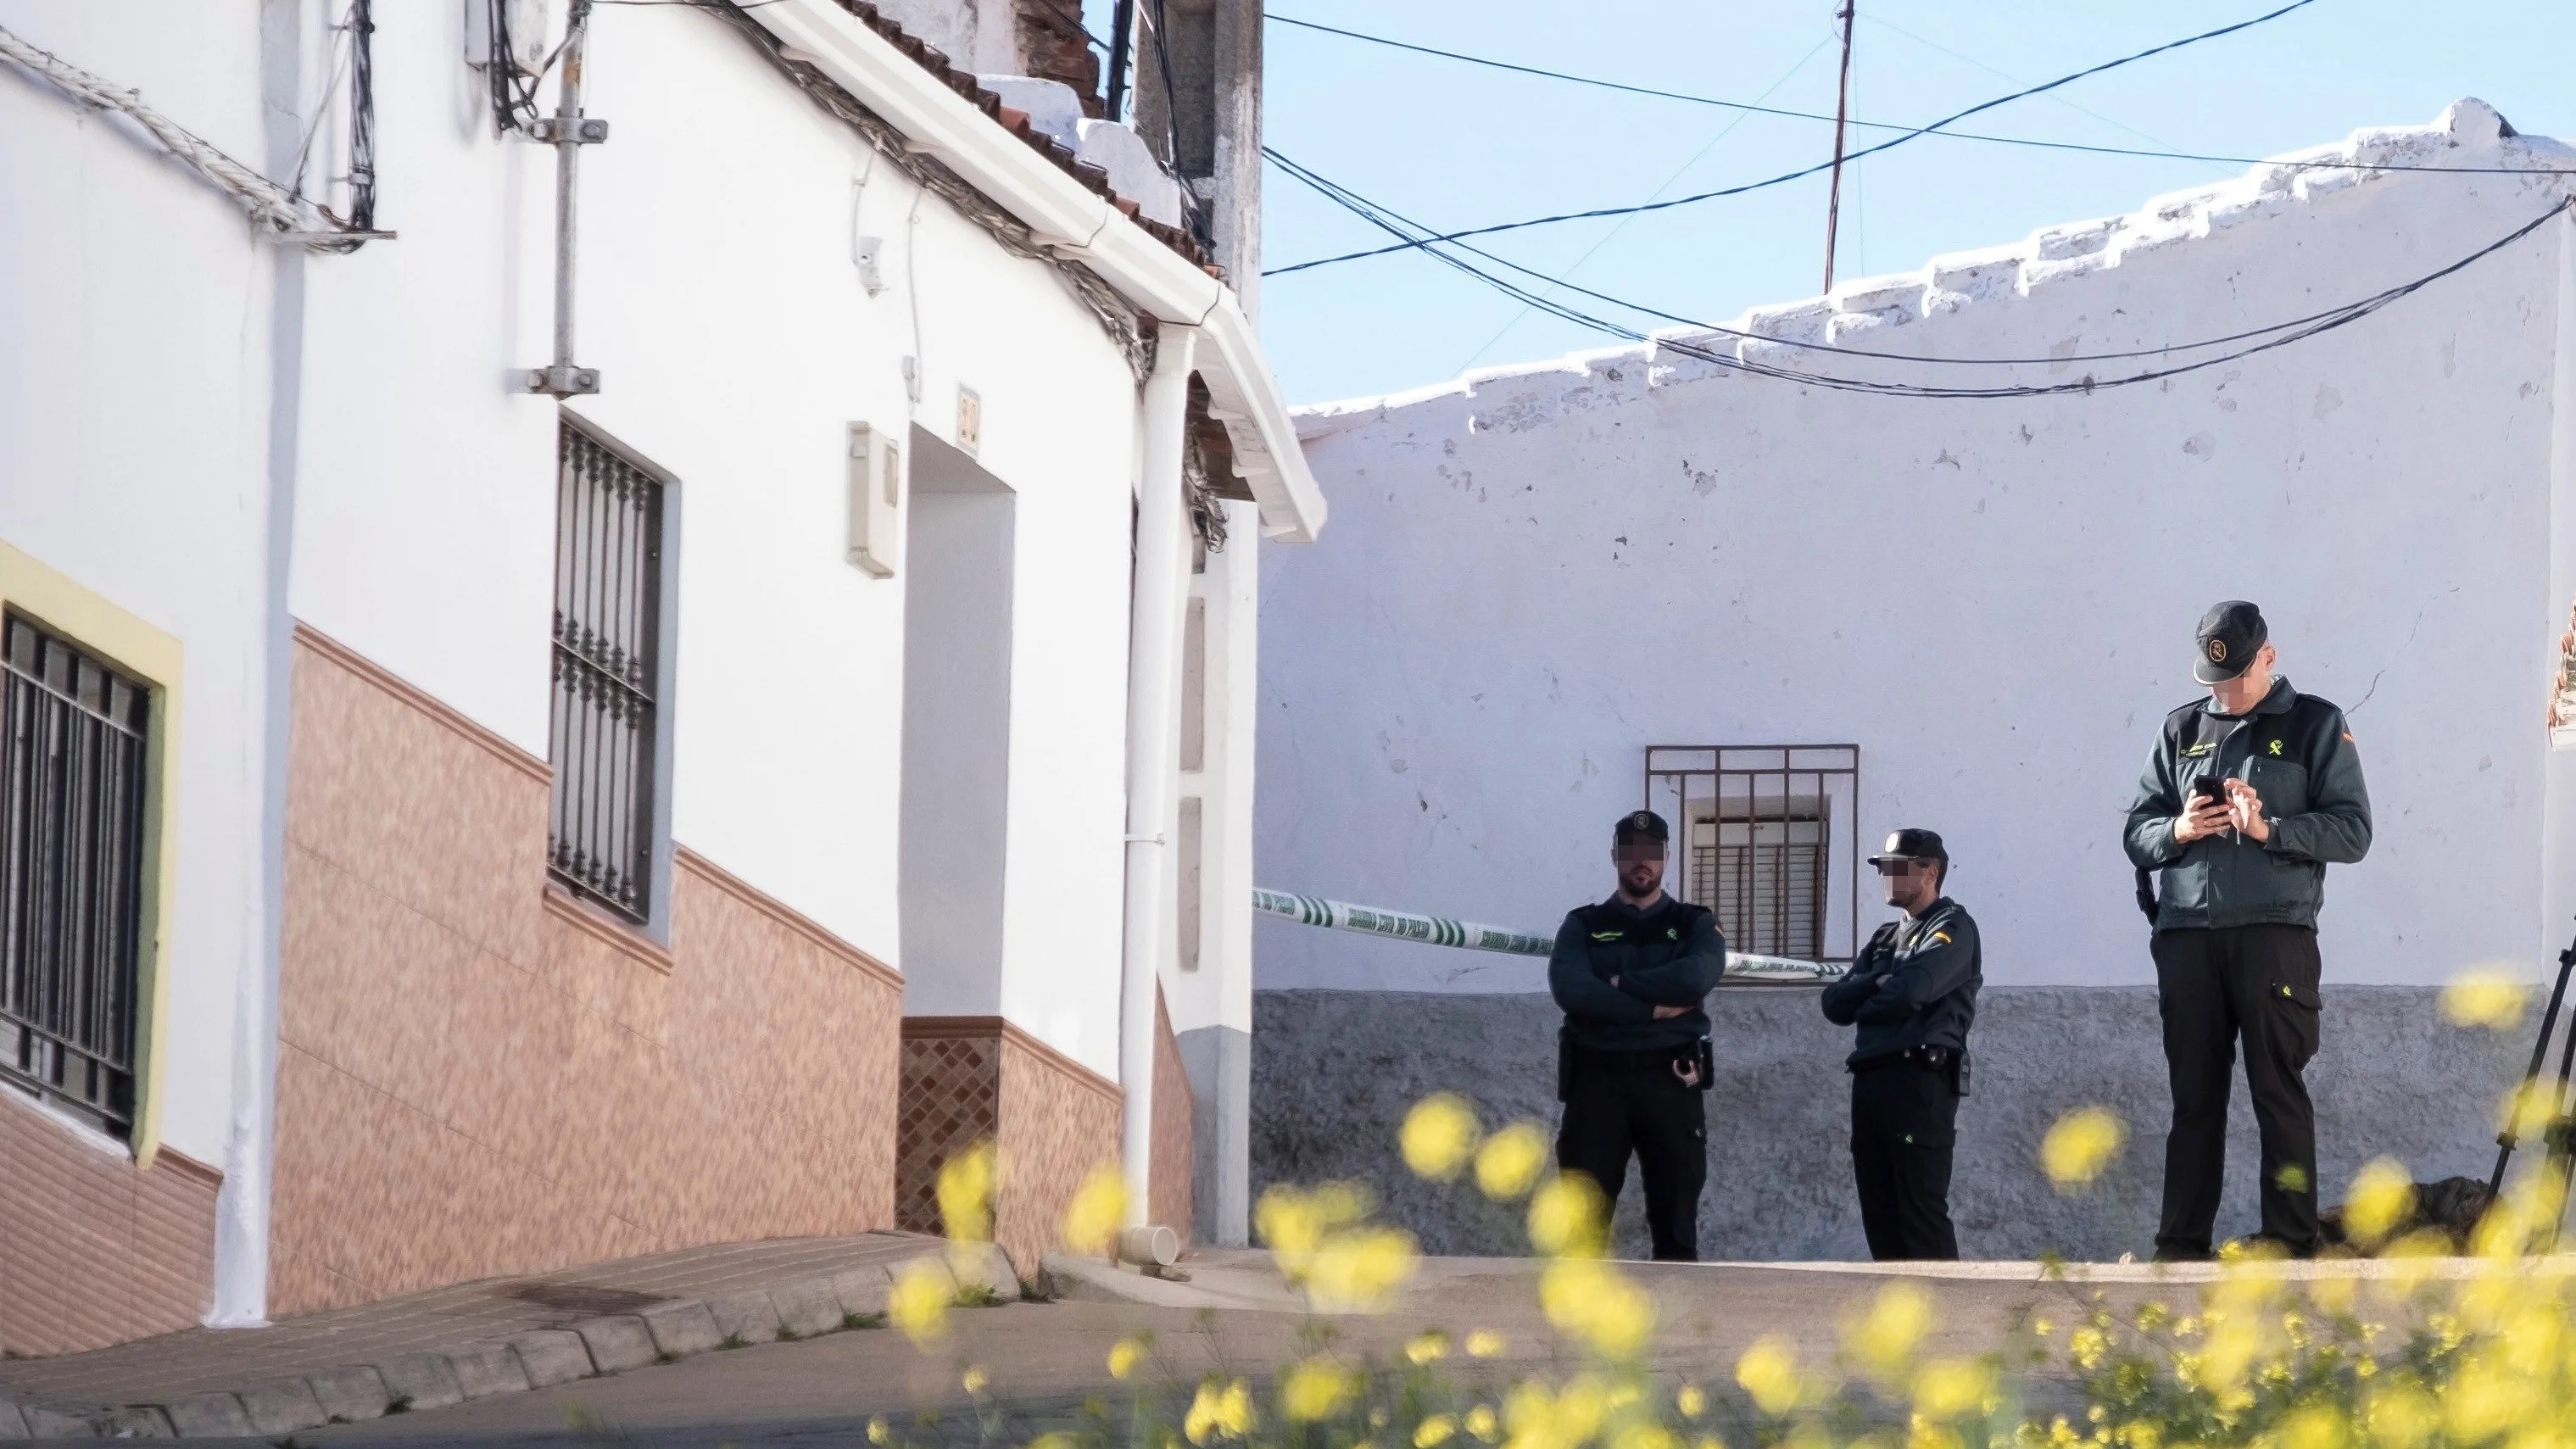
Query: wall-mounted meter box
[(524, 30), (876, 500)]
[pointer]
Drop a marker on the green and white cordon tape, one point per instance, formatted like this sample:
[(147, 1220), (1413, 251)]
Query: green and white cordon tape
[(1474, 936)]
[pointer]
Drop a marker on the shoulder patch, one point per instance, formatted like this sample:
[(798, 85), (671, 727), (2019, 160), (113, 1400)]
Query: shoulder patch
[(1941, 936), (1608, 935), (2204, 747)]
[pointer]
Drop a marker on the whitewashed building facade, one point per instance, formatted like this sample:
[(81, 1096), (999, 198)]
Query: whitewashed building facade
[(565, 827), (1961, 613)]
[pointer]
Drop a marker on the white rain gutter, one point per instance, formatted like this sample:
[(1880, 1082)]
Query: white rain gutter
[(1079, 225)]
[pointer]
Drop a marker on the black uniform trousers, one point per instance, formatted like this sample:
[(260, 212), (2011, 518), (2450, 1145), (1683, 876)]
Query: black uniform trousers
[(1905, 1116), (2258, 983), (1622, 1102)]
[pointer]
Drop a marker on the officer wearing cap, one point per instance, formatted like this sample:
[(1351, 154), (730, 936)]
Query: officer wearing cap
[(2247, 796), (1912, 991), (1632, 1056)]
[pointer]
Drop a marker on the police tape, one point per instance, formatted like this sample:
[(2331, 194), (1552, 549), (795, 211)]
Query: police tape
[(1474, 936)]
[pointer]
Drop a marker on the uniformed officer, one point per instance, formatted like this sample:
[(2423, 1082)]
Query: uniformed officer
[(1632, 1057), (2247, 795), (1913, 993)]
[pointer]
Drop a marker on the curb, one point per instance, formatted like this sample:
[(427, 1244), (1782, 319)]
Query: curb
[(481, 1368)]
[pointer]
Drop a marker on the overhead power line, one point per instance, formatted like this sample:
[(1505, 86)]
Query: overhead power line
[(1806, 171), (2257, 341)]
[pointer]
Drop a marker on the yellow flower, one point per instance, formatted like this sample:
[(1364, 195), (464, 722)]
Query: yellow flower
[(2137, 1434), (1055, 1439), (1484, 1343), (1427, 1347), (1314, 1388), (2081, 1144), (2229, 1354), (1434, 1431), (1438, 1136), (1646, 1435), (2291, 1178), (1589, 1299), (2086, 1346), (1690, 1401), (2482, 1400), (966, 1194), (1569, 1219), (1215, 1411), (1769, 1372), (975, 1378), (878, 1432), (1950, 1387), (2401, 1416), (1885, 1336), (1481, 1423), (1710, 1441), (2486, 996), (1098, 1207), (1358, 1270), (918, 1302), (1510, 1160), (1124, 1356), (2316, 1426)]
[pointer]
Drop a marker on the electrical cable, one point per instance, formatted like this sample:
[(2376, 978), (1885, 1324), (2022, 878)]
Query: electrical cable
[(362, 121), (2286, 333), (1331, 188), (1806, 171)]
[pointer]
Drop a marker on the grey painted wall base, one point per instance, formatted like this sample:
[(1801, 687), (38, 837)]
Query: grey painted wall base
[(1333, 1073), (1218, 1060)]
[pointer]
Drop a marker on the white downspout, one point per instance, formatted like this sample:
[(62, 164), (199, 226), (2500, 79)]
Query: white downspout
[(1153, 679)]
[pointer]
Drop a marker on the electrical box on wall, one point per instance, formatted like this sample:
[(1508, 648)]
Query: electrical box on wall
[(523, 30), (876, 500)]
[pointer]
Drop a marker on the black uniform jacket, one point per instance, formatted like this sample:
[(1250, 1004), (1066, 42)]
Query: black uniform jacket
[(2297, 753), (1669, 954), (1914, 985)]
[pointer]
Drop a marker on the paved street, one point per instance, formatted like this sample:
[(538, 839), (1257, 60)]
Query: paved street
[(1045, 1357)]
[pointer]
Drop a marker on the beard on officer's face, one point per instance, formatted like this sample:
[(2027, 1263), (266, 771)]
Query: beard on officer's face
[(1641, 876)]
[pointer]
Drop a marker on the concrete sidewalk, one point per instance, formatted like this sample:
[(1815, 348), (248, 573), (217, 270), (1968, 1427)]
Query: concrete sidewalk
[(472, 1341)]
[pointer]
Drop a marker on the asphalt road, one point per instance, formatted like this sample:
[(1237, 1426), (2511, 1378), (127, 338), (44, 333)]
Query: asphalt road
[(1045, 1358)]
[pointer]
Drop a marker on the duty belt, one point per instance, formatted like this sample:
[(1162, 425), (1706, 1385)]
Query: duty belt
[(1936, 1058)]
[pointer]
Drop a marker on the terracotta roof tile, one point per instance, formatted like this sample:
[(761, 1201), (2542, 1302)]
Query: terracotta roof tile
[(1015, 121)]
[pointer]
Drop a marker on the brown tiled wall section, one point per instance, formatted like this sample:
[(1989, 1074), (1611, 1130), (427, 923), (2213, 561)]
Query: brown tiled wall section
[(92, 1250), (967, 1078), (1175, 1113), (474, 1081)]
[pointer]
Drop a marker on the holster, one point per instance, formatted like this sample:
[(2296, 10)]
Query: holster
[(1707, 1052)]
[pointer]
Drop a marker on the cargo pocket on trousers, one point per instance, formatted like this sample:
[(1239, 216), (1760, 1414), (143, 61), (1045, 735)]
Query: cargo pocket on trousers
[(2295, 1010), (1930, 1137)]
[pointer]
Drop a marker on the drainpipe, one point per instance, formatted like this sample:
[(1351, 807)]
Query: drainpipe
[(1153, 748)]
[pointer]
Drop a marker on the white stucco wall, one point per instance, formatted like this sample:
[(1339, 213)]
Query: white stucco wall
[(134, 412), (736, 343), (1536, 572)]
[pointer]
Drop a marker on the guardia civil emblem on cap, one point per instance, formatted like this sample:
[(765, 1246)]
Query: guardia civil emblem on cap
[(2217, 651), (1642, 820)]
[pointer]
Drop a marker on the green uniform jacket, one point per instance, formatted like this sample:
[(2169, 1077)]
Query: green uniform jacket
[(1667, 955), (1914, 985), (2297, 753)]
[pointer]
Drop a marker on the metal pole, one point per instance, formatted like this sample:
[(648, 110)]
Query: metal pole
[(1122, 39), (567, 130), (2506, 1140), (1842, 100)]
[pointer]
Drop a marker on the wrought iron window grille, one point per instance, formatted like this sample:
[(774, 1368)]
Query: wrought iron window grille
[(1756, 829), (74, 743), (607, 676)]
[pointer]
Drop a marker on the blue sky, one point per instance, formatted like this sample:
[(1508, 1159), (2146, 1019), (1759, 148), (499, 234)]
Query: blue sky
[(1455, 145)]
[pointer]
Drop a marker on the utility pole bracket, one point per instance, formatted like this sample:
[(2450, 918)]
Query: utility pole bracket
[(562, 381), (577, 130)]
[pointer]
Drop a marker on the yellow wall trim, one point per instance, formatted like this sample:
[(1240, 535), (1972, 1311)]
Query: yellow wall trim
[(88, 619)]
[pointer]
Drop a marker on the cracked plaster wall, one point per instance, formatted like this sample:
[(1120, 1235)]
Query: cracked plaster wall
[(1536, 572)]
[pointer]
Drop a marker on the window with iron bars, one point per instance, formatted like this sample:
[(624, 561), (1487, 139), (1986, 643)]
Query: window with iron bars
[(607, 676), (1767, 841), (74, 740)]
